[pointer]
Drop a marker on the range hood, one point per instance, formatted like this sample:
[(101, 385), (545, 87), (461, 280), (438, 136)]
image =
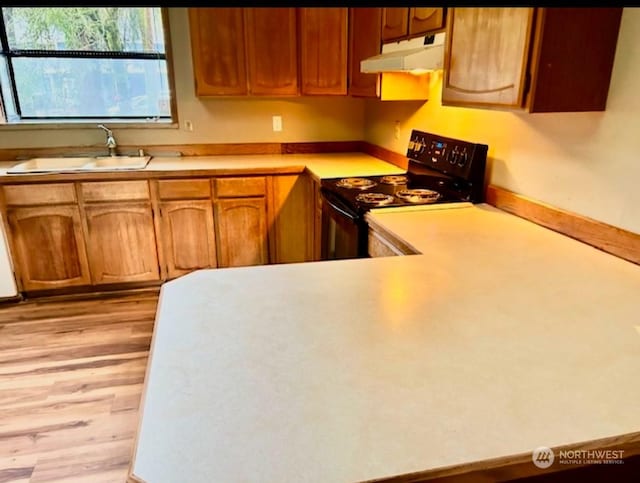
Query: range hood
[(417, 55)]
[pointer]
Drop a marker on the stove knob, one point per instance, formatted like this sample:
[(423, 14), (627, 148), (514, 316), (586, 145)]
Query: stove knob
[(463, 158)]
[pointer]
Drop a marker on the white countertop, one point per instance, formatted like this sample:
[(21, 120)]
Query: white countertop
[(320, 165), (502, 336)]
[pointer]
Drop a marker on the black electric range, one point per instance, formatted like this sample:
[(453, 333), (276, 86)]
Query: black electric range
[(440, 170)]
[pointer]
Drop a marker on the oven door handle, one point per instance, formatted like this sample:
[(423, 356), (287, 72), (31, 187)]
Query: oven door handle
[(337, 205)]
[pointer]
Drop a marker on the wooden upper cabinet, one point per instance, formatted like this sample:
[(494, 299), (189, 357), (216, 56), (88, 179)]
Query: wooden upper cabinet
[(364, 41), (121, 242), (573, 59), (486, 56), (401, 23), (217, 47), (395, 23), (423, 19), (567, 57), (323, 50), (49, 246), (271, 43)]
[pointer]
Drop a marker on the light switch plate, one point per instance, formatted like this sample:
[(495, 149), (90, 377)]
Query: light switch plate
[(277, 123)]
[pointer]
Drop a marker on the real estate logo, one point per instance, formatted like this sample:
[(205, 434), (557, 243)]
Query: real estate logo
[(542, 457)]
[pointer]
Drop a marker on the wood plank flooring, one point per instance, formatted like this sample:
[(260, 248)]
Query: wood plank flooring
[(71, 375)]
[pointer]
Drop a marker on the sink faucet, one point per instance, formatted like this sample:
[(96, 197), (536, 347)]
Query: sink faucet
[(111, 141)]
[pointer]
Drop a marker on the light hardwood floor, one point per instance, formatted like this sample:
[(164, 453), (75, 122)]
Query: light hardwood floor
[(71, 375)]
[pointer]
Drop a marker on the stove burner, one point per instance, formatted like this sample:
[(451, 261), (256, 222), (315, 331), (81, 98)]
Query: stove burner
[(377, 199), (418, 195), (394, 179), (356, 183)]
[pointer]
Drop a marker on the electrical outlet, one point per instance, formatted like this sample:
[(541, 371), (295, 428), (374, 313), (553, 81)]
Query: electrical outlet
[(277, 123), (188, 125)]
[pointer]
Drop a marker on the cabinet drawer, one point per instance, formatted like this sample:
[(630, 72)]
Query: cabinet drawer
[(115, 190), (176, 189), (40, 194), (239, 187)]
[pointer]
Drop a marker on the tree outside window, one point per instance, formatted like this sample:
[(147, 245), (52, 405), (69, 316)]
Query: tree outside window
[(77, 63)]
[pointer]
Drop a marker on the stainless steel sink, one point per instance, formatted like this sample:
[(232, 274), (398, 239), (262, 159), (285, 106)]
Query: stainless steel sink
[(67, 165)]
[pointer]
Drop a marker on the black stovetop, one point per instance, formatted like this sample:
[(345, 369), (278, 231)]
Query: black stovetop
[(444, 186), (453, 168)]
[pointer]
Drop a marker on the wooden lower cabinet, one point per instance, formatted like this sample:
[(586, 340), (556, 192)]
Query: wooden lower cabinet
[(121, 242), (291, 218), (241, 231), (188, 236), (49, 247), (317, 221), (105, 234)]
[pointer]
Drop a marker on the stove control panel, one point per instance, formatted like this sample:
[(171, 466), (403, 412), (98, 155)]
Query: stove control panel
[(450, 156)]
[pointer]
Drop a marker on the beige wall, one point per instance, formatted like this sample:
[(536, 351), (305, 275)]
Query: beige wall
[(216, 120), (588, 163)]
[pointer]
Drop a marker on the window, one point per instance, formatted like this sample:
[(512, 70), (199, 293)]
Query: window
[(83, 63)]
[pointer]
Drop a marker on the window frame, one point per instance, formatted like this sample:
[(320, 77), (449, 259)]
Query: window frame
[(76, 122)]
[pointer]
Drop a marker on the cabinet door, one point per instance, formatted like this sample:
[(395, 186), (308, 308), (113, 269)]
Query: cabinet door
[(50, 248), (241, 231), (271, 51), (364, 42), (394, 23), (323, 50), (572, 68), (122, 242), (423, 19), (188, 236), (486, 56), (217, 48), (291, 211)]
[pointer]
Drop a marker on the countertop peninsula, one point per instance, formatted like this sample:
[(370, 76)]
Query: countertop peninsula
[(500, 337)]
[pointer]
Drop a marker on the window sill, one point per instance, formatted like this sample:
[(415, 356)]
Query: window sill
[(112, 123)]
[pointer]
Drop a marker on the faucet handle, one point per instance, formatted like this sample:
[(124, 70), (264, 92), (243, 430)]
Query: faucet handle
[(106, 129)]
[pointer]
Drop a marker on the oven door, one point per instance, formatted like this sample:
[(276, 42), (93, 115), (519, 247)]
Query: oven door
[(344, 232)]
